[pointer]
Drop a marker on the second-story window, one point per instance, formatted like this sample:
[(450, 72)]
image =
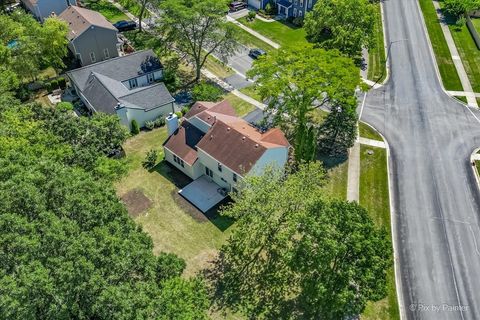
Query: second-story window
[(133, 83), (150, 77), (301, 3), (234, 177), (92, 56), (106, 54), (219, 167)]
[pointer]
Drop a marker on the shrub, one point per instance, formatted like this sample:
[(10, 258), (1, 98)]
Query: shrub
[(270, 9), (185, 110), (149, 125), (159, 122), (460, 23), (135, 128), (65, 106), (53, 85), (179, 114), (150, 159), (204, 91), (23, 94), (251, 15), (298, 21), (62, 83)]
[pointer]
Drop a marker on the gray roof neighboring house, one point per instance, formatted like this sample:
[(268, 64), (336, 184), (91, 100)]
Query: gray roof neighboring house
[(119, 68), (80, 19), (101, 83)]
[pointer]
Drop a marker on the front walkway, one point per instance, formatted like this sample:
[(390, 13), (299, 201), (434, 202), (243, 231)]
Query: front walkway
[(457, 61)]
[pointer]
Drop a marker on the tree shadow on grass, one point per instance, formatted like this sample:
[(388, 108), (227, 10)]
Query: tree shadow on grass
[(330, 162), (180, 180)]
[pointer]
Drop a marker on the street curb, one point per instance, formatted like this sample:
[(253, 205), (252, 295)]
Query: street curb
[(385, 45), (474, 168), (396, 264), (437, 70)]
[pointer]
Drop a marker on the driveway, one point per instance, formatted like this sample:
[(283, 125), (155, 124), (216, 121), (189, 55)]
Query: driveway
[(436, 200)]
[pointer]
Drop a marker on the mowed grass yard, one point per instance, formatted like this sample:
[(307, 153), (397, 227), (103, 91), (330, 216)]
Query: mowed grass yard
[(374, 196), (251, 41), (376, 55), (447, 69), (174, 225), (108, 10), (280, 32)]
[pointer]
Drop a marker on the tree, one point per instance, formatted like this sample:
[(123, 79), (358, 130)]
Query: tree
[(292, 254), (458, 8), (296, 82), (68, 249), (143, 9), (346, 25), (204, 91), (197, 28), (150, 159), (339, 130)]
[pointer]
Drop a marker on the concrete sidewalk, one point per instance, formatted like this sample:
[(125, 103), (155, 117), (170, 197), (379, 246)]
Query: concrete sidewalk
[(372, 143), (254, 33), (457, 61), (353, 180)]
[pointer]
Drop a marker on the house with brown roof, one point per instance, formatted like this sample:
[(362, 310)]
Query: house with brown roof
[(42, 9), (213, 142), (92, 38)]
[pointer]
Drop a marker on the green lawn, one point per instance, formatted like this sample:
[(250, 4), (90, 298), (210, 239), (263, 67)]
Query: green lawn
[(241, 107), (374, 196), (174, 225), (251, 41), (367, 132), (218, 68), (462, 98), (282, 33), (337, 176), (477, 164), (109, 11), (469, 53), (445, 63), (376, 55), (133, 7), (251, 92)]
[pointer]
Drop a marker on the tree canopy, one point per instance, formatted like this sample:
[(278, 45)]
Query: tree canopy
[(26, 47), (457, 8), (197, 28), (294, 255), (298, 81), (68, 249), (346, 25)]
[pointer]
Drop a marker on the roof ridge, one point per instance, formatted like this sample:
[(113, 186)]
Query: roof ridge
[(109, 60)]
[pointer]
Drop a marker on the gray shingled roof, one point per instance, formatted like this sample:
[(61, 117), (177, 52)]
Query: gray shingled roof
[(119, 68), (101, 85)]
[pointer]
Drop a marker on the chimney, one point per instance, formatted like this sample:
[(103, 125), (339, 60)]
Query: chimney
[(172, 123)]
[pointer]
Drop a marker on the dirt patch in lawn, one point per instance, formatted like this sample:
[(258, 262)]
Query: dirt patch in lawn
[(136, 202)]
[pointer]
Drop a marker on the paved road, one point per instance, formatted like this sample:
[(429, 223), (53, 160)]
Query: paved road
[(436, 200)]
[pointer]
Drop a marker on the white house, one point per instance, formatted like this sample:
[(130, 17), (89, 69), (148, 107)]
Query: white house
[(129, 86), (213, 142)]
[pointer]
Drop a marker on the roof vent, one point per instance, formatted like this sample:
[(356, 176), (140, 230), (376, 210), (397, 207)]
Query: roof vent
[(243, 138), (256, 145), (228, 129), (211, 136)]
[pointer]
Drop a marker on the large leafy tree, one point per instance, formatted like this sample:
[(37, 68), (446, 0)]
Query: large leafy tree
[(293, 254), (68, 249), (197, 28), (459, 7), (297, 82), (346, 25), (26, 46)]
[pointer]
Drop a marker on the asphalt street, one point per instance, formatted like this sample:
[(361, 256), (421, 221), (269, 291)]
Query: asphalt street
[(436, 200)]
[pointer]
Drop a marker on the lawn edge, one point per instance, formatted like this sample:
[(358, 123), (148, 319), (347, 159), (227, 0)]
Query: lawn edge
[(393, 222), (474, 168), (385, 45)]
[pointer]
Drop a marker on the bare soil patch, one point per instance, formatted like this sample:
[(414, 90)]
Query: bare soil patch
[(136, 202)]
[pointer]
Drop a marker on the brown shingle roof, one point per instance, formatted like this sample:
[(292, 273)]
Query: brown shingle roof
[(231, 148), (222, 107), (80, 19), (183, 142)]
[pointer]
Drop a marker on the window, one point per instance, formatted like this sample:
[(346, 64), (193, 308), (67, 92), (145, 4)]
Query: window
[(301, 3), (175, 158), (182, 163), (150, 77), (234, 177), (209, 172), (133, 83), (300, 13), (295, 12), (92, 56), (106, 54), (219, 167)]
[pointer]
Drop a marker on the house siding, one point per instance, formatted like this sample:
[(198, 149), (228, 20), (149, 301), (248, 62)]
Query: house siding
[(193, 172), (44, 8), (226, 174), (128, 114), (96, 40), (275, 157), (298, 9)]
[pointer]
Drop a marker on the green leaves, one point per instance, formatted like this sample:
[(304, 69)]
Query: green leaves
[(346, 25), (292, 254)]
